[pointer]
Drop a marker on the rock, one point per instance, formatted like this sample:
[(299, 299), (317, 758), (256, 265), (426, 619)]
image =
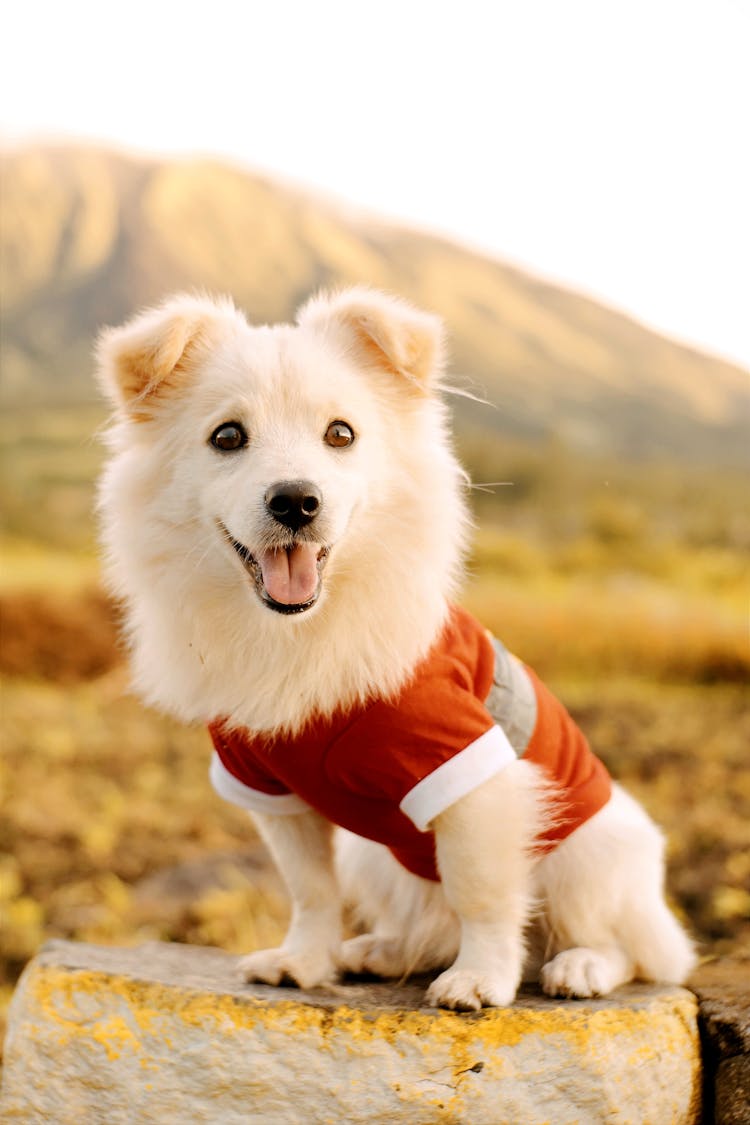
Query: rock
[(732, 1092), (723, 989), (172, 890), (166, 1033)]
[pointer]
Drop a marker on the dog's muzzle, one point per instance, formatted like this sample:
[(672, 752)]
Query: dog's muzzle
[(287, 577)]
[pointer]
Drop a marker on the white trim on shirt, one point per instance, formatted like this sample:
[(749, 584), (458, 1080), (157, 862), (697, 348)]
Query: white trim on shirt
[(459, 775), (237, 793)]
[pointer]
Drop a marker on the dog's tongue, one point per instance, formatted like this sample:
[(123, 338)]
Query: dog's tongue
[(291, 577)]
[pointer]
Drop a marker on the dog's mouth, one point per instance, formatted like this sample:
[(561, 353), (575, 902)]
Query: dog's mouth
[(287, 579)]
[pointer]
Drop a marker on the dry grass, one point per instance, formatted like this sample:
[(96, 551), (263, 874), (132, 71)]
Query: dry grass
[(598, 629), (58, 638)]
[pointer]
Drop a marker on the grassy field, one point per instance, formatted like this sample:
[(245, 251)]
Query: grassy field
[(626, 592)]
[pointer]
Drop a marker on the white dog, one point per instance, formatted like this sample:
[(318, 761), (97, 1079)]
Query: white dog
[(285, 523)]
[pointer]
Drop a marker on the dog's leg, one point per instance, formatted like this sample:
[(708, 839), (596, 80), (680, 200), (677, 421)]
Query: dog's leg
[(604, 907), (408, 927), (484, 844), (301, 846)]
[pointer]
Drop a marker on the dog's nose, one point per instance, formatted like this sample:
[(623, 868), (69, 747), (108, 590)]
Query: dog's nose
[(294, 503)]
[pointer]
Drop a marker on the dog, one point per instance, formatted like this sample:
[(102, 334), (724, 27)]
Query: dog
[(285, 524)]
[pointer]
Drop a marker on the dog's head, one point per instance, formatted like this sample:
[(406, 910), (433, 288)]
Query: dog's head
[(278, 443)]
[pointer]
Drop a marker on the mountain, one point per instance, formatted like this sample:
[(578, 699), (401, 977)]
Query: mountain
[(89, 235)]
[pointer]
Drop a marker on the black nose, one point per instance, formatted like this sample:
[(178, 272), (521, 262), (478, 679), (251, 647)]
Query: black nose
[(294, 503)]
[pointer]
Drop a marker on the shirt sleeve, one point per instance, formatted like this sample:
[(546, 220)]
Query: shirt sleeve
[(456, 777), (433, 745), (237, 775)]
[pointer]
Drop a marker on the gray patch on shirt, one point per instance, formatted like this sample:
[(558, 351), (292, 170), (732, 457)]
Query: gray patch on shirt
[(512, 699)]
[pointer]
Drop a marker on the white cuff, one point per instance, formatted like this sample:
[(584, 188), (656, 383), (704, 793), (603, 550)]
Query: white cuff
[(478, 762), (234, 791)]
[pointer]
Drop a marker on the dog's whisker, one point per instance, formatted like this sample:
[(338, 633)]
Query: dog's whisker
[(464, 392), (487, 486), (197, 562)]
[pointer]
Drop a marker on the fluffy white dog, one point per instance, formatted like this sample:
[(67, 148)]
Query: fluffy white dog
[(285, 523)]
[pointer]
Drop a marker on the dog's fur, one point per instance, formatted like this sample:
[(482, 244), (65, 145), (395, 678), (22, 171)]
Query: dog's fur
[(391, 532)]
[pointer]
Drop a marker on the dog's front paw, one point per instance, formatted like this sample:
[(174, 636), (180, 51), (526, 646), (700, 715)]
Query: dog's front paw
[(282, 966), (467, 991)]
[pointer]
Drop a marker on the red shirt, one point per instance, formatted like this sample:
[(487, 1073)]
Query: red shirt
[(386, 769)]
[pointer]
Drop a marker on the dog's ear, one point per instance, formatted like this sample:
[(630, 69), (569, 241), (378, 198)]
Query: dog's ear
[(382, 331), (154, 353)]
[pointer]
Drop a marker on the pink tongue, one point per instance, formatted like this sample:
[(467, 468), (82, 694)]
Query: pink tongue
[(291, 577)]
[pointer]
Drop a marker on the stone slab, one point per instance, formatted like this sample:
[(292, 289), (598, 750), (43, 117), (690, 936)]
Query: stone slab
[(167, 1033), (723, 990)]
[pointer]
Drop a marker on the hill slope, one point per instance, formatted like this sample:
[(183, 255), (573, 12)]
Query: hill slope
[(88, 236)]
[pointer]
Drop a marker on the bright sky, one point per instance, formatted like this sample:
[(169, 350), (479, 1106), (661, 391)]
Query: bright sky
[(601, 143)]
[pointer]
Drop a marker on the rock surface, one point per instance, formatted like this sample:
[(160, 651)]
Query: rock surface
[(166, 1033), (723, 989)]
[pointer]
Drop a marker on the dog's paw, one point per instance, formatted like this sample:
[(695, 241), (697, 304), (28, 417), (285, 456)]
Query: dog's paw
[(382, 957), (281, 966), (582, 973), (468, 991)]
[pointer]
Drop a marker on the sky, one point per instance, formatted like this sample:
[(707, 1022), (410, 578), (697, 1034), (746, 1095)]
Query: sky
[(602, 144)]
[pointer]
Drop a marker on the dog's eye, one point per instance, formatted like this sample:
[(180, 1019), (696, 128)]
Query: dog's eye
[(229, 436), (339, 435)]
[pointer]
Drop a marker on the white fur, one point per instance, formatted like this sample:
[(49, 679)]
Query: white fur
[(203, 645), (594, 906), (394, 520)]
